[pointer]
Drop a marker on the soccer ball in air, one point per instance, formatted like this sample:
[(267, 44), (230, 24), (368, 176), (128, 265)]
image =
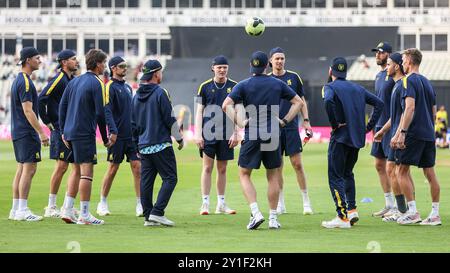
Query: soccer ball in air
[(255, 26)]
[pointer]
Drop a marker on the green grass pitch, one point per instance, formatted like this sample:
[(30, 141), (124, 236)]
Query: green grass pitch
[(123, 232)]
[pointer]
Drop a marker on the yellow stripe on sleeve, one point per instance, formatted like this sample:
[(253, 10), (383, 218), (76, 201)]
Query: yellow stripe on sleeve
[(27, 83), (108, 86), (201, 86), (299, 78), (405, 82), (49, 91), (103, 91)]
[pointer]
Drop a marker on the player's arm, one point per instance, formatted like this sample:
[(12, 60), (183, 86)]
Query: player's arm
[(169, 119), (98, 94), (110, 94), (409, 95), (134, 125), (304, 110), (228, 106), (380, 134), (200, 100), (43, 102), (296, 106), (33, 120), (378, 104), (330, 106)]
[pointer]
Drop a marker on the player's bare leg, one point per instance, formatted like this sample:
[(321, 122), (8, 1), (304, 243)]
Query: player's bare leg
[(55, 182), (24, 213), (433, 218), (296, 162), (221, 185), (15, 191), (205, 181), (102, 207), (136, 171), (381, 167)]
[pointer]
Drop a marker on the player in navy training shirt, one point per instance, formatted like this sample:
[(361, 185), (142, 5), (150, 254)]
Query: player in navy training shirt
[(416, 139), (261, 95), (291, 143)]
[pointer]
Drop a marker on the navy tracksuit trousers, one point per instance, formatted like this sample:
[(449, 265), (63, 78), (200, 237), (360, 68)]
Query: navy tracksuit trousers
[(164, 164), (341, 160)]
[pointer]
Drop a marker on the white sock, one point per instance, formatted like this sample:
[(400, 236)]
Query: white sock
[(435, 208), (412, 207), (84, 207), (273, 214), (205, 199), (254, 208), (15, 204), (103, 199), (68, 202), (281, 199), (51, 200), (220, 199), (23, 204), (305, 197), (138, 200), (389, 199)]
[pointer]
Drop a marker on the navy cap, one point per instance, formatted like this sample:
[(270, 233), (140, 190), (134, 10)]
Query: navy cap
[(258, 62), (397, 58), (115, 61), (27, 52), (150, 67), (220, 60), (64, 55), (273, 51), (383, 47), (339, 67)]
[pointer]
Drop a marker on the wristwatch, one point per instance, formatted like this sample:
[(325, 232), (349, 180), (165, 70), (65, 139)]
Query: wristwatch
[(403, 131), (306, 119), (285, 121)]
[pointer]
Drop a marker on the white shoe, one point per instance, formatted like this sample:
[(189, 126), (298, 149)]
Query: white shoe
[(12, 214), (392, 217), (336, 223), (273, 224), (255, 221), (281, 209), (204, 209), (353, 216), (90, 220), (409, 218), (381, 212), (139, 210), (69, 216), (391, 212), (223, 208), (150, 224), (307, 209), (52, 212), (27, 215), (161, 219), (102, 209), (432, 221)]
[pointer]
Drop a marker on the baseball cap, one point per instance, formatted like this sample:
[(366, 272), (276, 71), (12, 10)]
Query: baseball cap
[(383, 47), (64, 55), (258, 62), (339, 67), (150, 67), (273, 51), (27, 52), (115, 61), (220, 60), (397, 58)]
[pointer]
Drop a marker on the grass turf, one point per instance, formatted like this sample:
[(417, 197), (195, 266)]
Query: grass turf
[(123, 232)]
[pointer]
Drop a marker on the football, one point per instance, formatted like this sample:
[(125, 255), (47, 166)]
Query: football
[(255, 26)]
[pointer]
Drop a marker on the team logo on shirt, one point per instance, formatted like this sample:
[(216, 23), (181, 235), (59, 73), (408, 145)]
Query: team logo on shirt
[(289, 82), (229, 90), (212, 90)]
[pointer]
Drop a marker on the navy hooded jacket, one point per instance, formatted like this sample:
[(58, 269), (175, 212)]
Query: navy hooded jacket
[(345, 102), (152, 120)]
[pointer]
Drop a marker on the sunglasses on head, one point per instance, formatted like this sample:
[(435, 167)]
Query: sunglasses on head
[(122, 66)]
